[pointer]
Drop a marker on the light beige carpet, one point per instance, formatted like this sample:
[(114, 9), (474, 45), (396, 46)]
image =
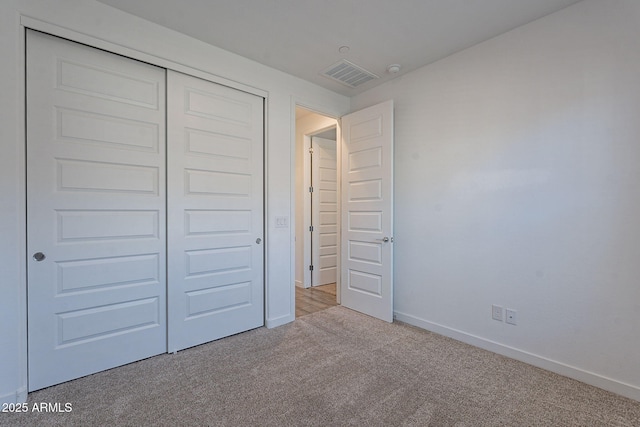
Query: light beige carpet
[(331, 368)]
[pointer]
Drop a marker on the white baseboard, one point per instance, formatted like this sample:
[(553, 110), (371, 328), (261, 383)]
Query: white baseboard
[(618, 387), (18, 396)]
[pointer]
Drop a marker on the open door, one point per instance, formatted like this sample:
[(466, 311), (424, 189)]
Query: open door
[(367, 211), (323, 211)]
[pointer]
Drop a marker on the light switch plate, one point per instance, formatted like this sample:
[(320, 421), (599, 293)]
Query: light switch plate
[(282, 222)]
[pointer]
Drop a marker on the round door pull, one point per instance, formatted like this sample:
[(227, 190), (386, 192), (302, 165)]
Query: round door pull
[(39, 256), (258, 240)]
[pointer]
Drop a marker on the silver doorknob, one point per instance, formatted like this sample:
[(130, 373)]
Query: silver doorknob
[(39, 256), (384, 239), (258, 240)]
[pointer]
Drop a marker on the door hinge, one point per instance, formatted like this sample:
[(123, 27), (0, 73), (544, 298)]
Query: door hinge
[(310, 189), (311, 228), (311, 268)]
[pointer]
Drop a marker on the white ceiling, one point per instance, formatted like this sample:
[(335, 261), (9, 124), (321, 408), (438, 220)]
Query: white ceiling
[(302, 37)]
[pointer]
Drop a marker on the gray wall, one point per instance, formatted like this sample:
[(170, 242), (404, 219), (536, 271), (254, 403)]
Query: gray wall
[(517, 182)]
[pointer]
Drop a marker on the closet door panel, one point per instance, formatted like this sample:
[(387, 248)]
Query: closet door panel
[(215, 211), (95, 210)]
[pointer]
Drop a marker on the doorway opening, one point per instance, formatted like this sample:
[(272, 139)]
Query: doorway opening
[(317, 240)]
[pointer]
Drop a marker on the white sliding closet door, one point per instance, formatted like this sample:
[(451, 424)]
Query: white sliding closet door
[(215, 211), (95, 210)]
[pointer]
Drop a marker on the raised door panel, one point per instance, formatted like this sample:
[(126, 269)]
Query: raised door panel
[(95, 209), (215, 195), (367, 211), (324, 212)]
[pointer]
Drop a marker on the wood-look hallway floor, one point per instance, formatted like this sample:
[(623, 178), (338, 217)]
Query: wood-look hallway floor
[(316, 298)]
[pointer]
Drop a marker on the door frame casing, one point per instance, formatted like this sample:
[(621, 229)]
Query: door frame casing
[(27, 22)]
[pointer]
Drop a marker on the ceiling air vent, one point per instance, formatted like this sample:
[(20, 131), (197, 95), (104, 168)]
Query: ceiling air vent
[(348, 74)]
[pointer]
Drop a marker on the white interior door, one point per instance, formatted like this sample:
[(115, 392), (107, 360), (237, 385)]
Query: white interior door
[(215, 211), (324, 214), (95, 210), (367, 211)]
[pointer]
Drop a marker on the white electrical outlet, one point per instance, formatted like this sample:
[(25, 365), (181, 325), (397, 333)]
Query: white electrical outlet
[(512, 317), (496, 312)]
